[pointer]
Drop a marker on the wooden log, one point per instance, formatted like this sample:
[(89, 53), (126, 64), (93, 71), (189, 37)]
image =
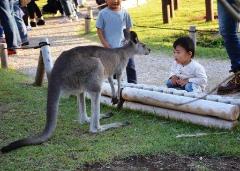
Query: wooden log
[(209, 10), (171, 6), (40, 71), (170, 101), (176, 4), (165, 11), (106, 89), (47, 58), (4, 55), (177, 115), (217, 98)]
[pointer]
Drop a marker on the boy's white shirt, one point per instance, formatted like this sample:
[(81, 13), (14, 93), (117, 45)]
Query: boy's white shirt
[(193, 71)]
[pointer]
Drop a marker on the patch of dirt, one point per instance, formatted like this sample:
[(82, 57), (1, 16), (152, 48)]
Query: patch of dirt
[(168, 162)]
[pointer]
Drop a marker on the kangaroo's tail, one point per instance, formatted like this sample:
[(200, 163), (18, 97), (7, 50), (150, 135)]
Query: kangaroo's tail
[(52, 109)]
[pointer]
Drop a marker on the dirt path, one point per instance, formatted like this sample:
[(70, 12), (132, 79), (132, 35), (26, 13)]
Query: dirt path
[(152, 69), (168, 162)]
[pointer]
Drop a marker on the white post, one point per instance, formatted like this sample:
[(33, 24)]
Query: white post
[(3, 55), (90, 12), (87, 24), (193, 35), (47, 58)]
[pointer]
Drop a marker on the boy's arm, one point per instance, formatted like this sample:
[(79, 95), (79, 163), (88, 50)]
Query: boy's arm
[(173, 74), (100, 24), (102, 39), (128, 22), (174, 70)]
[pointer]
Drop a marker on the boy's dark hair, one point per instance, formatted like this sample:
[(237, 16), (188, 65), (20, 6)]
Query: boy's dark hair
[(185, 42)]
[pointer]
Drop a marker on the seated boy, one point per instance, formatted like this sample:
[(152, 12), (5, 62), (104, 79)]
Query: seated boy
[(186, 73)]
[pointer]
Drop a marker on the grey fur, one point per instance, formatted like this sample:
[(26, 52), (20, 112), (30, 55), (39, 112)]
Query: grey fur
[(79, 70)]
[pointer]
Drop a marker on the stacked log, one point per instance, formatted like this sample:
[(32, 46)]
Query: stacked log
[(213, 111)]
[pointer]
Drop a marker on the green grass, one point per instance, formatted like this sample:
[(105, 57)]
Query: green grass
[(72, 145), (41, 3), (189, 13)]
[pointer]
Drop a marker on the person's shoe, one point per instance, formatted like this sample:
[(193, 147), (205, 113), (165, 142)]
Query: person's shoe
[(33, 24), (75, 18), (29, 28), (2, 40), (11, 52), (40, 22), (232, 86), (65, 20), (25, 44)]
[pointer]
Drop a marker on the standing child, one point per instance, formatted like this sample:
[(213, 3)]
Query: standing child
[(34, 10), (110, 24), (186, 73)]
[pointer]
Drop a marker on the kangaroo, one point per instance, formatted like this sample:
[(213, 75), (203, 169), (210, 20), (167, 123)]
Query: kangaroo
[(79, 70)]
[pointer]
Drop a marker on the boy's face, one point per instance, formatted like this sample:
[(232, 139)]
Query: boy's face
[(114, 4), (181, 55)]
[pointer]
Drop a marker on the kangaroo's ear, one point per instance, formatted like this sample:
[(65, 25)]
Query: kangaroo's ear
[(134, 37)]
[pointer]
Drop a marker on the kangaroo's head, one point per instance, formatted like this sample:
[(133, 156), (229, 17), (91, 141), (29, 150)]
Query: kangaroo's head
[(140, 47)]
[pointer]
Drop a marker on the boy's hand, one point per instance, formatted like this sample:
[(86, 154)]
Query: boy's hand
[(106, 45), (182, 82), (174, 80), (102, 39)]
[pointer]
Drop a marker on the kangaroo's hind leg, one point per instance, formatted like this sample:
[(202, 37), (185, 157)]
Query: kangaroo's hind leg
[(95, 118), (83, 118)]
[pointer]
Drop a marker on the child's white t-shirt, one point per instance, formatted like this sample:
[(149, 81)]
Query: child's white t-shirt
[(193, 71)]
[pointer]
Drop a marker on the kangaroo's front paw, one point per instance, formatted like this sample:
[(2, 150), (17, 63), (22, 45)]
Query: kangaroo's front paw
[(120, 104), (114, 100)]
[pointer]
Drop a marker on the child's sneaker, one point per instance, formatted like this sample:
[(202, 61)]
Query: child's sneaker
[(33, 24), (66, 20), (25, 44), (75, 18), (40, 22), (29, 28), (2, 40)]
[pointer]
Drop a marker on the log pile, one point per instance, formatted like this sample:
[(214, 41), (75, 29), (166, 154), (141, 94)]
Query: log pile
[(213, 111)]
